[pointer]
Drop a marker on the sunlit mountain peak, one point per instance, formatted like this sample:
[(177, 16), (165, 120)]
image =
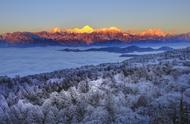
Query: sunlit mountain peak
[(153, 32), (89, 29), (110, 29), (56, 30), (85, 29)]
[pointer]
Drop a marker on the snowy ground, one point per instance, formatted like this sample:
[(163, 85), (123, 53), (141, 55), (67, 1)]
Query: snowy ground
[(148, 89)]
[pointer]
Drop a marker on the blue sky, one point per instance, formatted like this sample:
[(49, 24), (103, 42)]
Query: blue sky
[(38, 15)]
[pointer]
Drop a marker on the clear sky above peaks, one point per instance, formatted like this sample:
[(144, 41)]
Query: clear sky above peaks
[(38, 15)]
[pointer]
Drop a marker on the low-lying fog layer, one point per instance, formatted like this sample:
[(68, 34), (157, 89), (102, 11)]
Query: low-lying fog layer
[(35, 60), (26, 61)]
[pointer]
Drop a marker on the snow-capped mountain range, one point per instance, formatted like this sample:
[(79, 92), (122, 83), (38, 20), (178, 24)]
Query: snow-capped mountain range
[(88, 35)]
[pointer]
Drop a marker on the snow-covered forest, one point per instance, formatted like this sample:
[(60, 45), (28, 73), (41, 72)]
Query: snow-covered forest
[(147, 89)]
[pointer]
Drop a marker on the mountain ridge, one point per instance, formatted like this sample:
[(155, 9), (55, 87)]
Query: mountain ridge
[(93, 38), (113, 49)]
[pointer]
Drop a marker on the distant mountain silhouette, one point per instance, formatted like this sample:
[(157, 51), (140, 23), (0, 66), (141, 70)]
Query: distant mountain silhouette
[(128, 49)]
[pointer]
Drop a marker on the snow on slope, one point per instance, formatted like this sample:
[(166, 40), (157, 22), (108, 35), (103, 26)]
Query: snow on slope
[(148, 89)]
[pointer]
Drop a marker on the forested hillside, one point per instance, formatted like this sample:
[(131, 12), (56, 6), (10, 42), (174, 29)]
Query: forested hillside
[(147, 89)]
